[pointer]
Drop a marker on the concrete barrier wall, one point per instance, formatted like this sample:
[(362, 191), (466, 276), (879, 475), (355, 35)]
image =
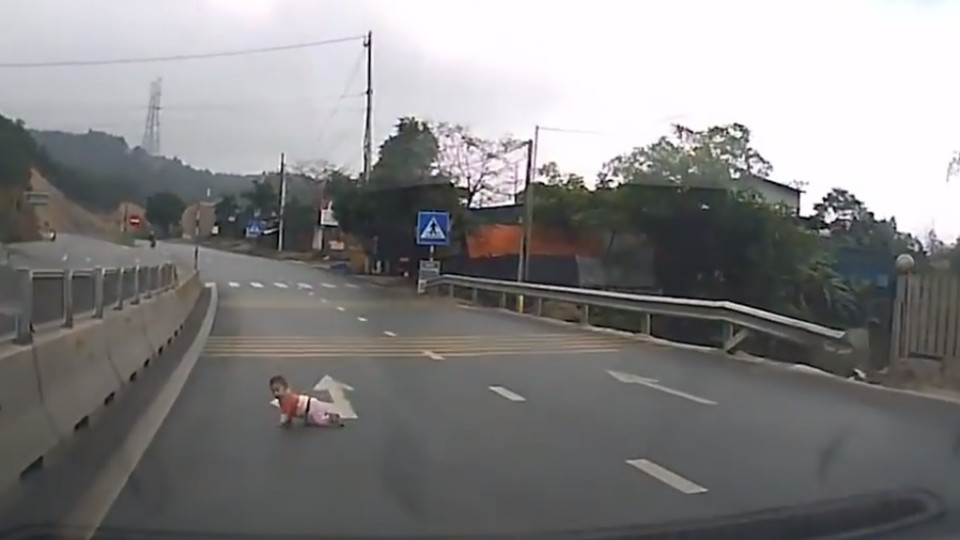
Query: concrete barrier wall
[(51, 390)]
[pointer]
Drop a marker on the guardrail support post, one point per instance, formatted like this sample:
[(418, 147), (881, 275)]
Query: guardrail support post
[(475, 295), (538, 306), (121, 276), (646, 323), (148, 289), (136, 286), (733, 337), (24, 320), (67, 298), (585, 315), (98, 275), (503, 300)]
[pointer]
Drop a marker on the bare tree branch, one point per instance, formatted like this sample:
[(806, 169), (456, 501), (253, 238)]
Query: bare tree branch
[(485, 169)]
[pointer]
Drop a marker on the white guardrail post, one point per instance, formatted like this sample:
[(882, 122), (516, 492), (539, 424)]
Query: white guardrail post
[(83, 290), (738, 321), (135, 299), (24, 320), (98, 297), (67, 282)]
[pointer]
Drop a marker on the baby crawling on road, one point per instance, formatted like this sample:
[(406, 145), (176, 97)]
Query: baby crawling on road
[(293, 405)]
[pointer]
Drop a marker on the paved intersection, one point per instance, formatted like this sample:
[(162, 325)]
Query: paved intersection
[(469, 420)]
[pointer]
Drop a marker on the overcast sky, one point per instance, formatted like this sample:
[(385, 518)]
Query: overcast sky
[(853, 93)]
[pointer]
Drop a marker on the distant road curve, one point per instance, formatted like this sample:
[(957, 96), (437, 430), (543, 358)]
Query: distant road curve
[(76, 251)]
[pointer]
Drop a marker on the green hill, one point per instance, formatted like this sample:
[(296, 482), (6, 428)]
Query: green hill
[(18, 154), (107, 171)]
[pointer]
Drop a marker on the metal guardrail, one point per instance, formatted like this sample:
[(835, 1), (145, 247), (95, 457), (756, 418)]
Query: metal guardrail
[(42, 299), (738, 320)]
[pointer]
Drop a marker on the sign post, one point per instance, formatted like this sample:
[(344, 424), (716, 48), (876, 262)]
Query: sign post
[(433, 229)]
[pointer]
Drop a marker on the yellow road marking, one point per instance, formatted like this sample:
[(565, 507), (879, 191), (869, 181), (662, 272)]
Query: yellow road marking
[(396, 354), (407, 346), (323, 303)]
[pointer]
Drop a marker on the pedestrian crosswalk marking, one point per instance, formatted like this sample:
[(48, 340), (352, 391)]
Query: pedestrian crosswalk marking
[(256, 285)]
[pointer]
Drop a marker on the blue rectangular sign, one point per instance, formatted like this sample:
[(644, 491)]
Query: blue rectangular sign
[(433, 228)]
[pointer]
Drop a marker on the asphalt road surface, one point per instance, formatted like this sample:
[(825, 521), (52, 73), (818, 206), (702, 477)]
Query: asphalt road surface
[(464, 420), (79, 252)]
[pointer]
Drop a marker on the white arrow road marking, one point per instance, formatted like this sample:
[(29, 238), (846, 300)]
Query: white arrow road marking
[(629, 378), (338, 394), (666, 476), (507, 394), (279, 285), (233, 284), (305, 286), (256, 284)]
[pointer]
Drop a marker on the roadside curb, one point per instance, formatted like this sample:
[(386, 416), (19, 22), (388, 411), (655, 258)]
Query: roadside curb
[(800, 369), (99, 497)]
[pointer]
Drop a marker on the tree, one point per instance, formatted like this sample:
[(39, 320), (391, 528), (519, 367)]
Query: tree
[(717, 156), (849, 224), (262, 199), (403, 181), (485, 170), (227, 212), (407, 157), (164, 210)]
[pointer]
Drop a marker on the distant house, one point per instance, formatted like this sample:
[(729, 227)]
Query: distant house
[(774, 192)]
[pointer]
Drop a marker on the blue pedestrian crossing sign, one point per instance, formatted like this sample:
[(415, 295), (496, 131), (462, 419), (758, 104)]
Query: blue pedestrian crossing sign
[(433, 228), (254, 228)]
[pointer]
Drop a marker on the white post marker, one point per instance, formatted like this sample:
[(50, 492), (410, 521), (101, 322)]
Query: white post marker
[(629, 378)]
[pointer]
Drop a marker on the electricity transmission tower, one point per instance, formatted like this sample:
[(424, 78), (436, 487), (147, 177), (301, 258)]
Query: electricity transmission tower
[(151, 131)]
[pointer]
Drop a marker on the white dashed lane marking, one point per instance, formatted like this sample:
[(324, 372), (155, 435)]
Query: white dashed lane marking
[(233, 284), (279, 285), (305, 286), (507, 394), (666, 476), (256, 284)]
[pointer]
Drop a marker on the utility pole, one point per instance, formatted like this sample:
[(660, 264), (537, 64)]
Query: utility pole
[(526, 220), (368, 112), (196, 237), (283, 201), (523, 265)]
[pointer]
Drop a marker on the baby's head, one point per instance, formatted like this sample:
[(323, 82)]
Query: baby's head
[(279, 385)]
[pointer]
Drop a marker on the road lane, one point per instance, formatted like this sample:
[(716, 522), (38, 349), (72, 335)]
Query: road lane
[(437, 450)]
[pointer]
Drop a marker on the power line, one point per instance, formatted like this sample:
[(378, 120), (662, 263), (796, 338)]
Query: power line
[(174, 58), (325, 126), (183, 106)]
